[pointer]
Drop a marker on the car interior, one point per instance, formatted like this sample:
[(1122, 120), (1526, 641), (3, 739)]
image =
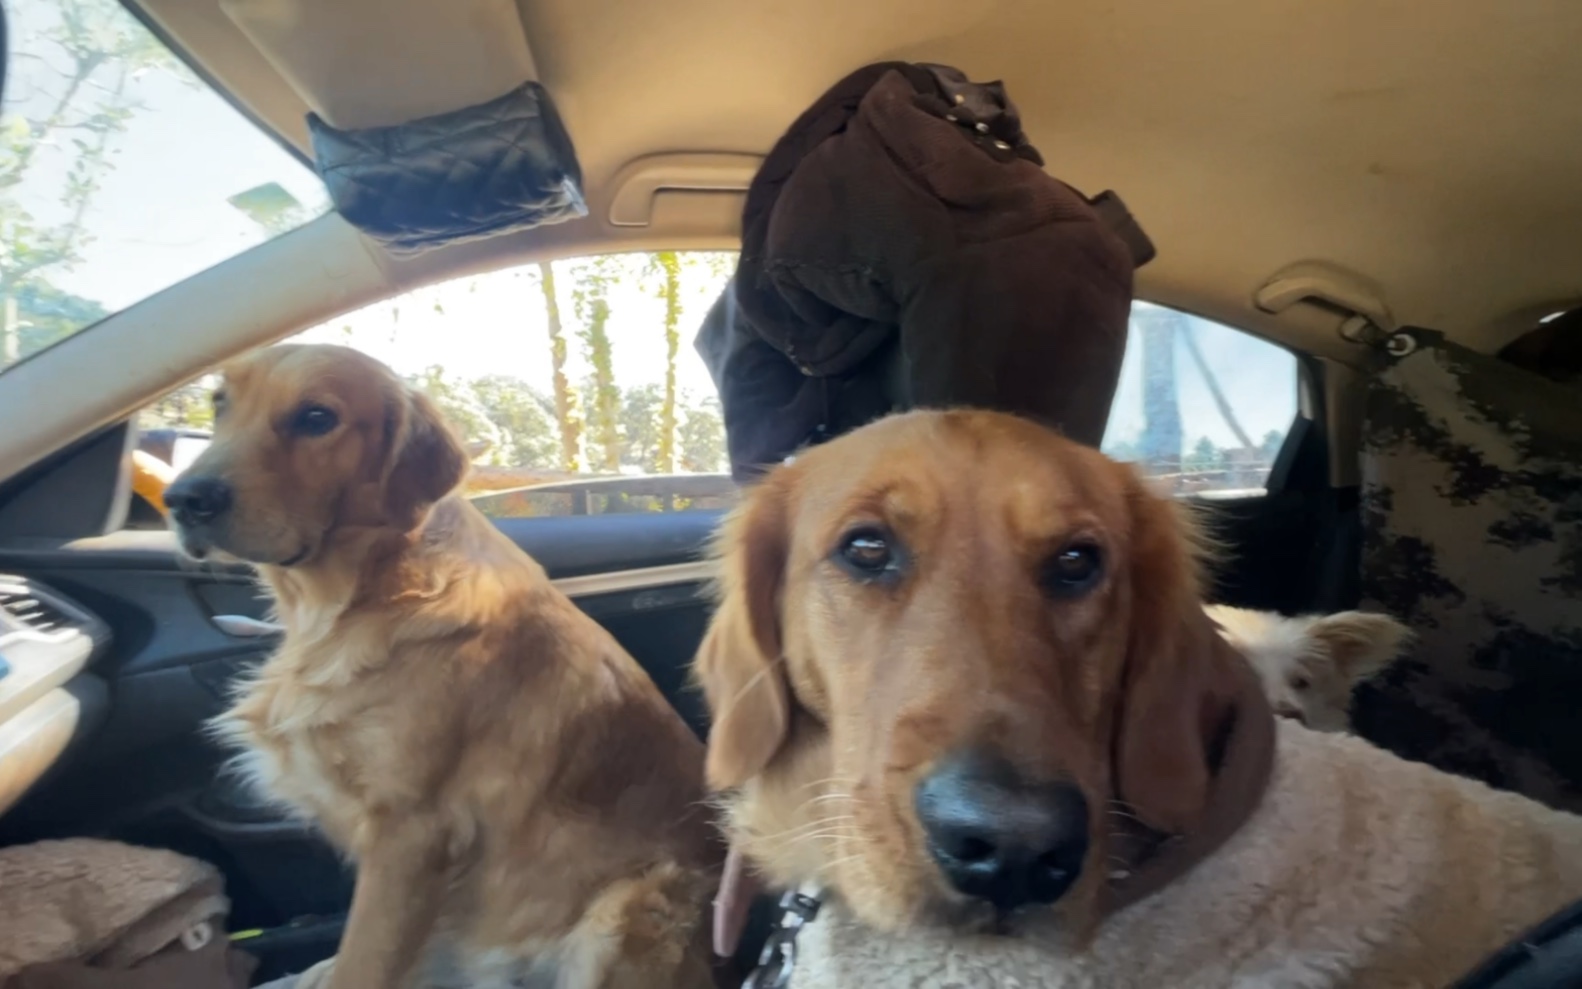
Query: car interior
[(1321, 178)]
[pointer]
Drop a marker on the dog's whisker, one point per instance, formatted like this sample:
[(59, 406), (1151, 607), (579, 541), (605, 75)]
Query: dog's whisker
[(791, 839), (825, 797), (822, 835), (834, 864), (831, 826), (842, 781), (820, 822), (824, 842)]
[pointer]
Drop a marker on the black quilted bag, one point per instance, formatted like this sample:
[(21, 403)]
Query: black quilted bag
[(502, 166)]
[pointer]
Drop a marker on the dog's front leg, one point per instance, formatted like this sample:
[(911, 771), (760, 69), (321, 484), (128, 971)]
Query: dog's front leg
[(400, 882)]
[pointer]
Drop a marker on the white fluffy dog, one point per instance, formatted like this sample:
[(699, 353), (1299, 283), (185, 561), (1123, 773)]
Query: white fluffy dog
[(1309, 664)]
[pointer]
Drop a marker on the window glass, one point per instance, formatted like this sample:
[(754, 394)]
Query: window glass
[(578, 391), (1201, 407), (120, 173), (575, 385)]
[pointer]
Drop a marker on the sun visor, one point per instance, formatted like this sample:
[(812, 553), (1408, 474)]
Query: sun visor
[(413, 137), (499, 167), (377, 63)]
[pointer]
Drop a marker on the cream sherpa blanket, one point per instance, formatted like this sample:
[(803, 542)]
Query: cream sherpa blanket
[(1357, 870), (100, 901)]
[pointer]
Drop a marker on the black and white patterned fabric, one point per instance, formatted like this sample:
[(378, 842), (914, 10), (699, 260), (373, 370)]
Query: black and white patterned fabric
[(1472, 520)]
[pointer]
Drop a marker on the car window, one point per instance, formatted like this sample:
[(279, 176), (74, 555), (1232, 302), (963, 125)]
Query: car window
[(575, 384), (121, 173), (578, 391), (1201, 407)]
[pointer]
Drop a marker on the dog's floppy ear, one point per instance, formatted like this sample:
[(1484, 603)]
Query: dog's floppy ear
[(425, 460), (1181, 685), (1360, 644), (739, 665)]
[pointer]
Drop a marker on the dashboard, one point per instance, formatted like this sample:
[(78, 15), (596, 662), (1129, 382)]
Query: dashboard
[(48, 699)]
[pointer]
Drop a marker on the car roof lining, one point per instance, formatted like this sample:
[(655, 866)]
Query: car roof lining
[(1429, 153), (1433, 155)]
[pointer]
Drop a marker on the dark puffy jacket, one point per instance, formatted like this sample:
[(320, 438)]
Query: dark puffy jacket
[(902, 247)]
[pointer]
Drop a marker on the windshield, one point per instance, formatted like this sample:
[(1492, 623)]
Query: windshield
[(121, 173)]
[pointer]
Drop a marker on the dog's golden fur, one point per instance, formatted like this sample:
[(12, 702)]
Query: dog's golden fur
[(833, 697), (835, 691), (516, 792)]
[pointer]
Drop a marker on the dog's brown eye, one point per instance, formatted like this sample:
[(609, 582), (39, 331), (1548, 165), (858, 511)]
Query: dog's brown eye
[(1300, 683), (314, 420), (1074, 570), (868, 553)]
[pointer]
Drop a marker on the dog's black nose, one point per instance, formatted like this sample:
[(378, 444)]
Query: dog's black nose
[(999, 838), (197, 499)]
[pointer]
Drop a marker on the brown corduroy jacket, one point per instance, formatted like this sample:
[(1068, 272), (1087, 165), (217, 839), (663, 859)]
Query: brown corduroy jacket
[(903, 247)]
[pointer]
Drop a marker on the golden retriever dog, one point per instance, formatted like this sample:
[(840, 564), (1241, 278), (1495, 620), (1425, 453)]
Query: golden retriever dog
[(522, 803), (964, 686), (1310, 664)]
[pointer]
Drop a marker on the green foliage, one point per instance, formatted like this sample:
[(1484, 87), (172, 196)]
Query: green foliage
[(702, 438), (189, 407), (97, 49), (591, 304), (668, 264), (642, 429), (47, 315), (524, 419), (508, 423), (1204, 456), (568, 407), (459, 401)]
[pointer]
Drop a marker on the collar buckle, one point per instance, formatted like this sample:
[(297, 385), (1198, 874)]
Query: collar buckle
[(778, 960)]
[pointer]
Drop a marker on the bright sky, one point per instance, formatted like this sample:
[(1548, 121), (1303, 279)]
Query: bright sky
[(1257, 378), (161, 216)]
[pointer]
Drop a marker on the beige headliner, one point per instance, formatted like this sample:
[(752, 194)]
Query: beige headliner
[(1433, 148)]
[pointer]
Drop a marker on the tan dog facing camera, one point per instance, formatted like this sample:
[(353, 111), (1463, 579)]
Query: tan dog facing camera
[(959, 712), (966, 695), (523, 805)]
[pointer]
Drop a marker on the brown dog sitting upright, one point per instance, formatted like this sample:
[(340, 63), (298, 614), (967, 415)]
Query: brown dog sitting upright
[(522, 803), (964, 685)]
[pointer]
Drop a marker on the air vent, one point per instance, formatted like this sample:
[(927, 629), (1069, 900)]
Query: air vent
[(33, 614)]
